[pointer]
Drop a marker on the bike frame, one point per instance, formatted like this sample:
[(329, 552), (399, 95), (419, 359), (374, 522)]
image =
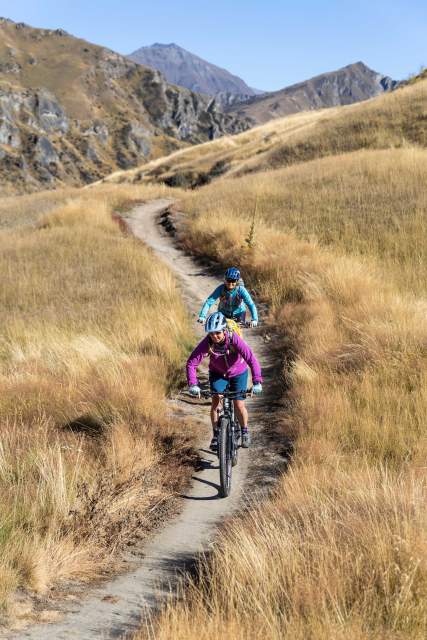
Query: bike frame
[(229, 434)]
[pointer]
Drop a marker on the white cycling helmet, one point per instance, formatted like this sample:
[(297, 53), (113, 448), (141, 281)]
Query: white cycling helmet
[(215, 322)]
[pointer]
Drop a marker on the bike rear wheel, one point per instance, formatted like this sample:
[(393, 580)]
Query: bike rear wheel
[(225, 456)]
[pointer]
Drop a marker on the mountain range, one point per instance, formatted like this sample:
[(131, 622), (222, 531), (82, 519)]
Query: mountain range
[(353, 83), (72, 112)]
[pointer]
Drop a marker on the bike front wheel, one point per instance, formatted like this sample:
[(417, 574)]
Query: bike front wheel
[(237, 438), (225, 456)]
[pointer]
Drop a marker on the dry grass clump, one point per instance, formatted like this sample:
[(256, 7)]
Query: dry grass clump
[(88, 352), (416, 77), (339, 550)]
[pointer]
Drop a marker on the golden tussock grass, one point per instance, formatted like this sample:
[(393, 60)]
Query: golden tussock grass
[(334, 554), (26, 210), (88, 353), (339, 550), (391, 120), (368, 203)]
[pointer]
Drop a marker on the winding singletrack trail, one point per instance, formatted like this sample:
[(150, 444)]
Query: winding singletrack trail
[(118, 606)]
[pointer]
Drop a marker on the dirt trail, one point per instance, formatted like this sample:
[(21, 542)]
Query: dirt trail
[(110, 610)]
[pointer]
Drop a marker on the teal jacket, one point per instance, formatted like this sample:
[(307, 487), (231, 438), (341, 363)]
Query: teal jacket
[(231, 303)]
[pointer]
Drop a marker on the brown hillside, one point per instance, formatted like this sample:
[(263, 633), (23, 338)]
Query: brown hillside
[(71, 111)]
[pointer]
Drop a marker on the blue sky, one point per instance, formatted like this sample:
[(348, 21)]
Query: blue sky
[(270, 43)]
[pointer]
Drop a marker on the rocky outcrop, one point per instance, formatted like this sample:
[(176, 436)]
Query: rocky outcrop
[(183, 113), (51, 147), (226, 100), (32, 124), (96, 112)]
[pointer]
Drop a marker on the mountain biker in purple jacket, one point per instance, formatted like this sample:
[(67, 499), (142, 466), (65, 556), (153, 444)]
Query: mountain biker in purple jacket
[(229, 358), (233, 299)]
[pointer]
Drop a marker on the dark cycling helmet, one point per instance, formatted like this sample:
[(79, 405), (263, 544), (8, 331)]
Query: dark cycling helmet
[(215, 322), (232, 274)]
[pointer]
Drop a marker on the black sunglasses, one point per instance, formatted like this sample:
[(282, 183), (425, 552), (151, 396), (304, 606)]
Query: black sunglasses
[(231, 281)]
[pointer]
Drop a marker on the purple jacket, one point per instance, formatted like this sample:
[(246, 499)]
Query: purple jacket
[(233, 363)]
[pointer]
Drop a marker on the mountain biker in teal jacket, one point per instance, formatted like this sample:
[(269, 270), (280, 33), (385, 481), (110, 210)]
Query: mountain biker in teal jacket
[(233, 299)]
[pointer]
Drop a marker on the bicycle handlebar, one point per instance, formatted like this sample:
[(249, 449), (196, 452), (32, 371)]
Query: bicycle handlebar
[(225, 394)]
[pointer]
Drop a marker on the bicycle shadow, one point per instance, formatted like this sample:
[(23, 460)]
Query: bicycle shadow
[(207, 483), (209, 452), (205, 464)]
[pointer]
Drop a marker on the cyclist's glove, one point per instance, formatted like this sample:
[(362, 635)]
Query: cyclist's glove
[(253, 323), (194, 390), (257, 388), (201, 320)]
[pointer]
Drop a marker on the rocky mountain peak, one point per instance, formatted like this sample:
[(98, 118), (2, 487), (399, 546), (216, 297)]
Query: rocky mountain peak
[(353, 83), (185, 69)]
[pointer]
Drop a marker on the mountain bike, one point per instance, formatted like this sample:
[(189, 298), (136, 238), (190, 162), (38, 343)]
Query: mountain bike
[(229, 438)]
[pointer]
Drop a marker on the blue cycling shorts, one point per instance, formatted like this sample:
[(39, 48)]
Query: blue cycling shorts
[(238, 383)]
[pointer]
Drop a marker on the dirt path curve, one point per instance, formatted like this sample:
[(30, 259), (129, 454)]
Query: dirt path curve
[(116, 607)]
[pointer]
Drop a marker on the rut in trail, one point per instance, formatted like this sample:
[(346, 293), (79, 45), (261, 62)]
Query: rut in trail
[(117, 607)]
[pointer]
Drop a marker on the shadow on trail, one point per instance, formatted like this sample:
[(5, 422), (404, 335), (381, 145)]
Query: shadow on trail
[(209, 452), (191, 401), (198, 498)]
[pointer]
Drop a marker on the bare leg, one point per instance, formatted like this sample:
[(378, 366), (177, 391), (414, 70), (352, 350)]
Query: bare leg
[(214, 410), (241, 413)]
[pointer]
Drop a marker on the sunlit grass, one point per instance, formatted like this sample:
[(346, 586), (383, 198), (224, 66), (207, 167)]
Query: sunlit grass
[(371, 204), (334, 554)]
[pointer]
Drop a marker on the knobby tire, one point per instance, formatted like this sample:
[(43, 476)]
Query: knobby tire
[(224, 455), (237, 436)]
